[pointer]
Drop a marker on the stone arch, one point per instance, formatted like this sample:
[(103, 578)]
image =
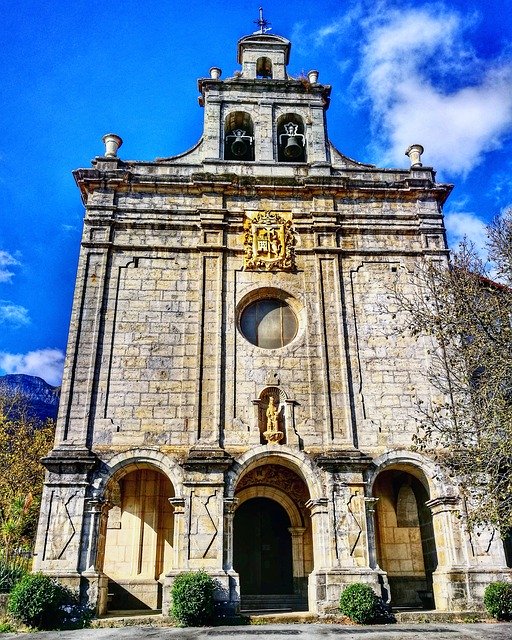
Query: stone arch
[(238, 136), (286, 479), (273, 494), (266, 454), (122, 463), (291, 138), (403, 482), (419, 466), (264, 68), (137, 532)]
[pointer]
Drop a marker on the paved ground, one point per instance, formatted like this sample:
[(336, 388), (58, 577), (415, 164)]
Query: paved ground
[(430, 631)]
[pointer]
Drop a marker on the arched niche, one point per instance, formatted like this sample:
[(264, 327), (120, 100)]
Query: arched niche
[(264, 68), (238, 136), (291, 139), (272, 416)]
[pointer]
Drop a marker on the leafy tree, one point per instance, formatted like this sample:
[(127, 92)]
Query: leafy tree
[(23, 442), (468, 316)]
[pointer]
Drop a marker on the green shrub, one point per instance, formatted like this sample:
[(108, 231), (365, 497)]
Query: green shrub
[(10, 574), (43, 603), (192, 598), (498, 600), (361, 604)]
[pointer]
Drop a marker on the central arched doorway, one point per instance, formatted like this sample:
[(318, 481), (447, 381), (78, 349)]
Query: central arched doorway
[(272, 539), (262, 553)]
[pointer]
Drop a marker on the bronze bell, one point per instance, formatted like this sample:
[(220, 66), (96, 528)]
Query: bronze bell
[(238, 146), (293, 148)]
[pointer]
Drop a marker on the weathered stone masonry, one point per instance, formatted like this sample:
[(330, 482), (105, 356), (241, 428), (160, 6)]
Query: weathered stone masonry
[(235, 397)]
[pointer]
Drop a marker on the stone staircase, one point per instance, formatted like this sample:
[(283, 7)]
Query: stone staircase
[(273, 603)]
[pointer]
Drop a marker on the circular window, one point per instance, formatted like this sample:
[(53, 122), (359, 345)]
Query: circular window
[(269, 323)]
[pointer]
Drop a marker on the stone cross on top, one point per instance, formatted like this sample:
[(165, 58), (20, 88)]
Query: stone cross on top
[(262, 23)]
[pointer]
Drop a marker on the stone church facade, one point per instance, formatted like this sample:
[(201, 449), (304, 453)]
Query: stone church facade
[(235, 398)]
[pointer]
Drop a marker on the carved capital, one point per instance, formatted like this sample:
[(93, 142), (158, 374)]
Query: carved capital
[(178, 505), (230, 505), (319, 505), (443, 503)]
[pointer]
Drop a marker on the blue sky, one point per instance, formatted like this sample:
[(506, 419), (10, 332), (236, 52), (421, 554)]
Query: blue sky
[(437, 73)]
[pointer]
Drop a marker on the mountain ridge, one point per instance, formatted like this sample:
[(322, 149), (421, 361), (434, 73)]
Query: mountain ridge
[(41, 398)]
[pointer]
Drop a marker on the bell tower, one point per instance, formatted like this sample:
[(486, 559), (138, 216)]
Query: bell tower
[(262, 115)]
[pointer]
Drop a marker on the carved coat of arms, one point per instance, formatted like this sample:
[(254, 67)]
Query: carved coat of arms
[(268, 242)]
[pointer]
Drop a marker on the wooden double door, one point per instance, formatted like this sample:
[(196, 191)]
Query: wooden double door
[(262, 550)]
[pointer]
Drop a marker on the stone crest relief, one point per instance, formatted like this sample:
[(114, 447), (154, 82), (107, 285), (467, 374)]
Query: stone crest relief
[(268, 241)]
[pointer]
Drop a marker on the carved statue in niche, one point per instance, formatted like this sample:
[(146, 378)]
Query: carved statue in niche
[(272, 417), (272, 413)]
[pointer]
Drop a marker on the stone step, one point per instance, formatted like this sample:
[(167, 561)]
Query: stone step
[(273, 602)]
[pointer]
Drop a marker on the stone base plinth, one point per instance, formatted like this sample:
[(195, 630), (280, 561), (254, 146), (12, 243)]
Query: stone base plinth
[(325, 586), (227, 594), (463, 589)]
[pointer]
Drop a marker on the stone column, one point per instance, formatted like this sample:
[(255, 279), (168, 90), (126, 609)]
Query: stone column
[(317, 151), (95, 582), (264, 151), (179, 561), (371, 538), (255, 435), (230, 505), (299, 581), (292, 437), (449, 579), (320, 531), (461, 576), (212, 118), (93, 542), (60, 539), (319, 509), (179, 556), (232, 584), (445, 511)]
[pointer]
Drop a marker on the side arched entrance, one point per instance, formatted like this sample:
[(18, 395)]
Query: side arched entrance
[(137, 537), (272, 542), (406, 547)]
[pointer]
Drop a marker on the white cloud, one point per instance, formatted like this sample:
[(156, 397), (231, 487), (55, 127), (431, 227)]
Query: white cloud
[(426, 85), (460, 225), (44, 363), (11, 313), (6, 259)]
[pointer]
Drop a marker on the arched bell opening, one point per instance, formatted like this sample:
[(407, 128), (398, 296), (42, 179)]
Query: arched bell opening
[(264, 68), (238, 137), (291, 140), (406, 547), (272, 541), (138, 537)]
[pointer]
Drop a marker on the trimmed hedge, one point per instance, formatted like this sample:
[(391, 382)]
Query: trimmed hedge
[(498, 600), (42, 602), (361, 604), (192, 598)]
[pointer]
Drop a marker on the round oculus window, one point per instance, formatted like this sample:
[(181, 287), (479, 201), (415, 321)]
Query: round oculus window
[(269, 323)]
